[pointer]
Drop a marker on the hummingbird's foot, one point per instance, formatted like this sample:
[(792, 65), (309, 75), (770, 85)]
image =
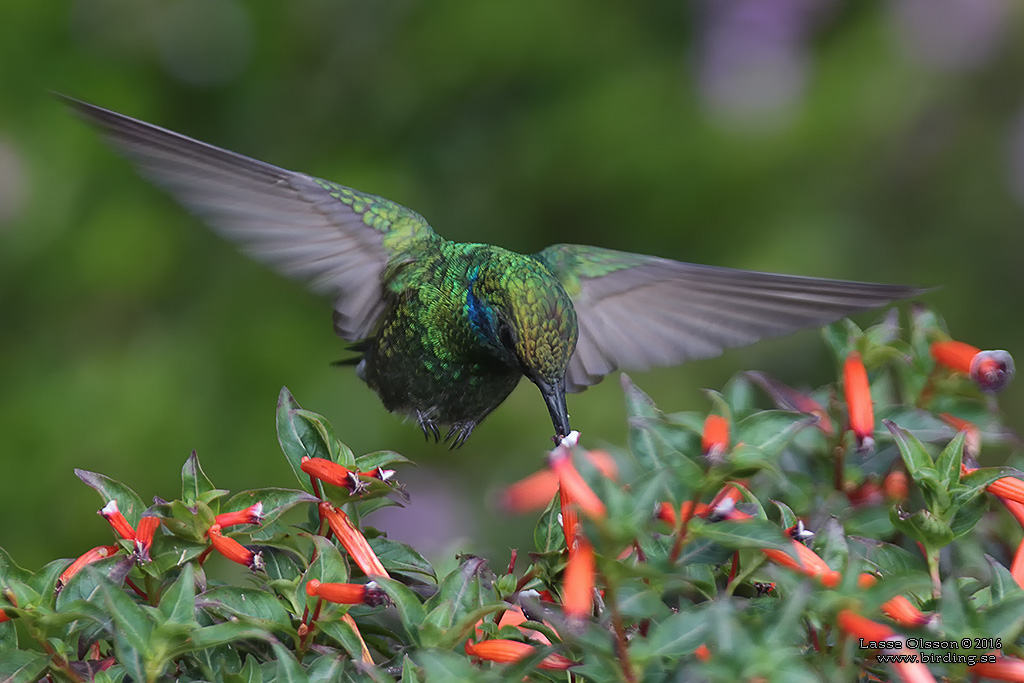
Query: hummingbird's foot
[(461, 432), (428, 426)]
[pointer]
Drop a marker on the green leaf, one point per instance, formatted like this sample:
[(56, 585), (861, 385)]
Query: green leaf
[(678, 635), (194, 482), (948, 463), (288, 669), (548, 536), (460, 593), (771, 430), (253, 606), (448, 667), (128, 502), (178, 603), (276, 501), (9, 569), (841, 338), (410, 611), (400, 558), (343, 634), (922, 526), (328, 566), (915, 455), (223, 634), (297, 437), (327, 667), (371, 461), (20, 666), (750, 533), (789, 518)]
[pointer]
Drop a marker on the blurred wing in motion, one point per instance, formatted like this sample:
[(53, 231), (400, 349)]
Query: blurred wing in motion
[(336, 239), (636, 312)]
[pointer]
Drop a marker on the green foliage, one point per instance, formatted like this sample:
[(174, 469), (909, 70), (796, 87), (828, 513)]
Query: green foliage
[(703, 566)]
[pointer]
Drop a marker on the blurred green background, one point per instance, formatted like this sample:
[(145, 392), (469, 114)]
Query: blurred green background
[(861, 140)]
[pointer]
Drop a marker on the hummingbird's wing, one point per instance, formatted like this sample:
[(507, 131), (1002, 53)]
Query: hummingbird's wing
[(636, 312), (336, 239)]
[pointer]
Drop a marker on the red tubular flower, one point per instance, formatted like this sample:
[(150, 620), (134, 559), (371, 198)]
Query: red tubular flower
[(379, 473), (666, 512), (604, 462), (533, 492), (1016, 509), (250, 515), (869, 631), (1008, 488), (3, 616), (116, 520), (88, 557), (569, 517), (514, 616), (896, 486), (1017, 566), (578, 590), (353, 540), (144, 534), (992, 370), (904, 613), (714, 440), (858, 400), (972, 442), (702, 653), (233, 550), (810, 563), (570, 481), (347, 593), (1003, 669), (329, 472), (501, 650)]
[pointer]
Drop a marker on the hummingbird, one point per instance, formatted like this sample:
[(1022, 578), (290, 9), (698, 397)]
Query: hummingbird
[(444, 331)]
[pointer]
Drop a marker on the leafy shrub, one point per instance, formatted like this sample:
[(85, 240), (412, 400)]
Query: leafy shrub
[(690, 555)]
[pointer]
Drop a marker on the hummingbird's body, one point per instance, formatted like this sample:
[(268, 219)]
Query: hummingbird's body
[(441, 352), (446, 330)]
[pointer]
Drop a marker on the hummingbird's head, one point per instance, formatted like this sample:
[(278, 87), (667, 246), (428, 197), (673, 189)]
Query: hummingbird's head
[(527, 320)]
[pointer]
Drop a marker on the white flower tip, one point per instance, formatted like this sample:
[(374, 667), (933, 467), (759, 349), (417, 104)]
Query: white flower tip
[(110, 508), (571, 439)]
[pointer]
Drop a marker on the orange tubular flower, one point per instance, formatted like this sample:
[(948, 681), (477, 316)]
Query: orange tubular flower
[(569, 518), (992, 370), (347, 593), (250, 515), (501, 650), (573, 485), (233, 550), (714, 440), (903, 612), (702, 653), (858, 401), (1003, 669), (88, 557), (329, 472), (3, 616), (578, 591), (354, 541), (533, 492), (1016, 509), (117, 521)]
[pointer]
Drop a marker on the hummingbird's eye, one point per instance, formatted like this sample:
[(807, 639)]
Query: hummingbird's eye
[(505, 337)]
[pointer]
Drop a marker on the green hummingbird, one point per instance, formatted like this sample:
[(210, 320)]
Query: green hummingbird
[(444, 331)]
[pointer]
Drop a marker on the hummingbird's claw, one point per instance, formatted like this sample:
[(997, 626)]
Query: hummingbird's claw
[(461, 432)]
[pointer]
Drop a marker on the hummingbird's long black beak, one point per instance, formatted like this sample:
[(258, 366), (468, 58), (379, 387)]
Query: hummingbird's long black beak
[(554, 396)]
